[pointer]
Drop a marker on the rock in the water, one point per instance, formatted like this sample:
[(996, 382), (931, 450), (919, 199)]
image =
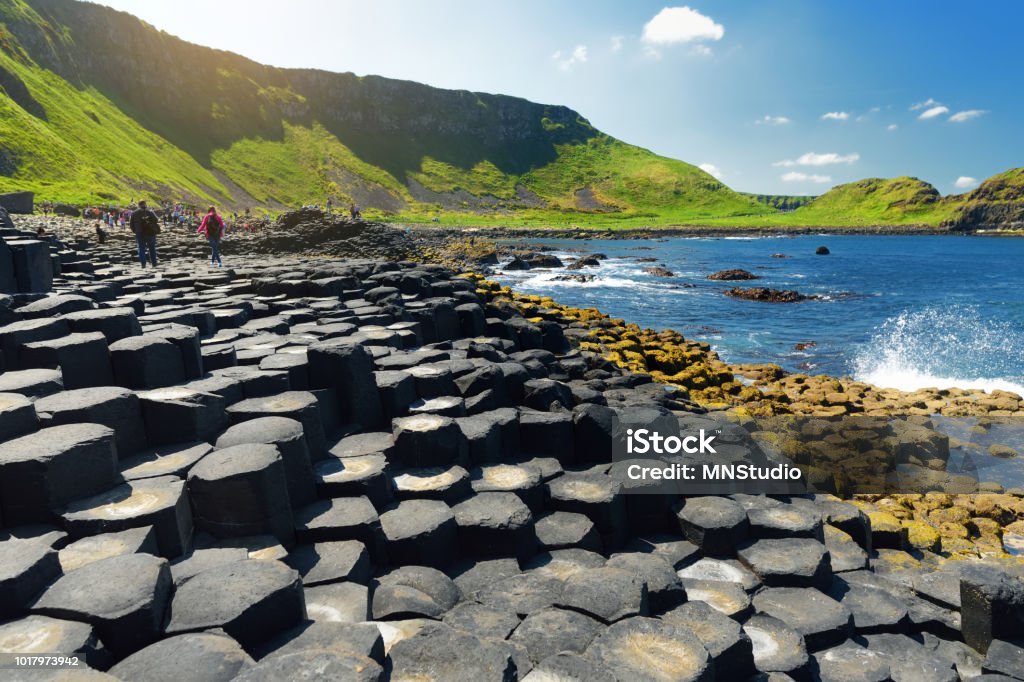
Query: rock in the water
[(767, 295), (732, 274)]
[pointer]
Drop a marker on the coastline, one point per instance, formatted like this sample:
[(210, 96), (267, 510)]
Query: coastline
[(666, 355), (683, 231), (670, 358), (492, 232), (987, 522)]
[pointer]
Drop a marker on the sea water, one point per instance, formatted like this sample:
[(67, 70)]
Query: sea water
[(896, 311)]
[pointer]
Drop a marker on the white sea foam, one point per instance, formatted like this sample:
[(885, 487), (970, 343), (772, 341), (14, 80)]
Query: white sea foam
[(909, 379), (943, 348)]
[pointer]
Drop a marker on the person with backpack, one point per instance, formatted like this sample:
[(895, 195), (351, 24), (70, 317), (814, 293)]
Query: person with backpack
[(146, 226), (213, 227)]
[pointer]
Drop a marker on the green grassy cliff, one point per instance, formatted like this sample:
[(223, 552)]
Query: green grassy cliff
[(96, 105)]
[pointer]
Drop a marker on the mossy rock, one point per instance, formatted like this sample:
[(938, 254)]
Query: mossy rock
[(958, 548), (1001, 451), (981, 527), (921, 535)]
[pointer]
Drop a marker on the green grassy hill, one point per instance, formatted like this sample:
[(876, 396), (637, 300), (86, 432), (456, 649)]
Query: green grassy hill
[(866, 203), (97, 106), (94, 119)]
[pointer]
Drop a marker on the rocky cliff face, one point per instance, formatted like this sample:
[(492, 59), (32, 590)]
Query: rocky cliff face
[(201, 99), (997, 203)]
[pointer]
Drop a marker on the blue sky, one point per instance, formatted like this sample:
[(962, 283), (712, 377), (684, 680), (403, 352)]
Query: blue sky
[(929, 88)]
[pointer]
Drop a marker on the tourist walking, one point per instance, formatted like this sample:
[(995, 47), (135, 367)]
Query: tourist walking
[(213, 227), (146, 227)]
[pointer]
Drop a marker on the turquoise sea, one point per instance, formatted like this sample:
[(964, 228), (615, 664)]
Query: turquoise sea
[(897, 311)]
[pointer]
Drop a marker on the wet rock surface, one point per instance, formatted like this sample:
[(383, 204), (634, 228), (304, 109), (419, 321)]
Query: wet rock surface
[(377, 469), (766, 295), (732, 274)]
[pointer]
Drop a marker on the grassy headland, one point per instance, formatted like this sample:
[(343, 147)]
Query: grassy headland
[(81, 123)]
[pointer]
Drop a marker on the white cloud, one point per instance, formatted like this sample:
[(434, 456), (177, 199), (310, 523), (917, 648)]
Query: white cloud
[(617, 43), (835, 116), (578, 56), (797, 176), (933, 112), (965, 182), (673, 25), (701, 51), (891, 127), (961, 116), (772, 121), (815, 159), (924, 105), (711, 169)]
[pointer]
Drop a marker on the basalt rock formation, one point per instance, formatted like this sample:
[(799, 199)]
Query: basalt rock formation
[(381, 469)]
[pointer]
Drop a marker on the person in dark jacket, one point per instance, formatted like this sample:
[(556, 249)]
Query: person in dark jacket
[(213, 228), (146, 227)]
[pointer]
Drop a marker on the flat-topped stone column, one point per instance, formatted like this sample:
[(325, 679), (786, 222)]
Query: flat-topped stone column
[(241, 491), (43, 471)]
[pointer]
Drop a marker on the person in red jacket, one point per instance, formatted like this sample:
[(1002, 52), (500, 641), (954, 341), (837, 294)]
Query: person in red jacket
[(213, 227)]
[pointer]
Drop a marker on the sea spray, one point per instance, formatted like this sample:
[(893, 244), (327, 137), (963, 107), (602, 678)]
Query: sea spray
[(943, 347)]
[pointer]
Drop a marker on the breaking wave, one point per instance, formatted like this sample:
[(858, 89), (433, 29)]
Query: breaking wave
[(951, 347)]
